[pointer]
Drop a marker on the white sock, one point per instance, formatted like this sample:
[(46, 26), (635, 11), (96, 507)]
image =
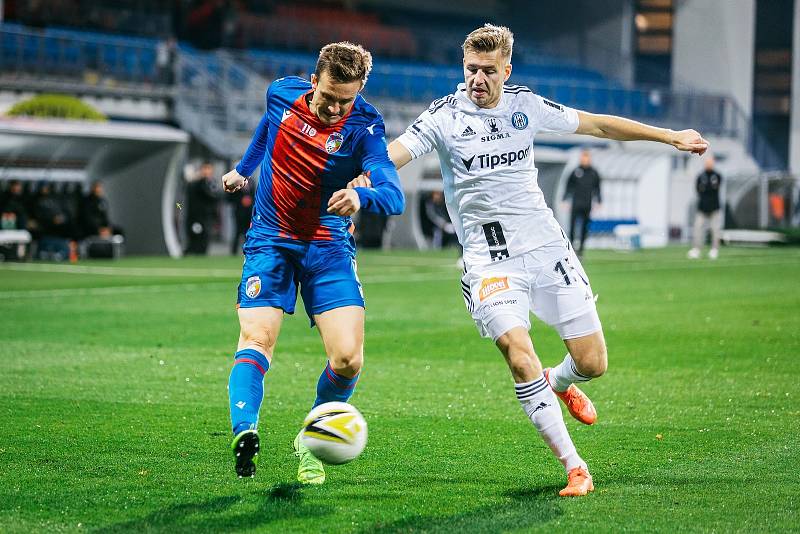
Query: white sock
[(565, 373), (541, 406)]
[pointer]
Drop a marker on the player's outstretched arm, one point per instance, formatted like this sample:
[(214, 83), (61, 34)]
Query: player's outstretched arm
[(621, 129)]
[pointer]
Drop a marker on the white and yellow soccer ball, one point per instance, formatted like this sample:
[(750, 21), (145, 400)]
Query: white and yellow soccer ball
[(335, 432)]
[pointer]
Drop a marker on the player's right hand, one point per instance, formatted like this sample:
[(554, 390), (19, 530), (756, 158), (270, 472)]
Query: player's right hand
[(689, 141), (359, 181), (233, 181)]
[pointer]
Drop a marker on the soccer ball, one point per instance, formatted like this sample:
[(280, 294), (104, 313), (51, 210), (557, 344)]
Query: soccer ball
[(335, 432)]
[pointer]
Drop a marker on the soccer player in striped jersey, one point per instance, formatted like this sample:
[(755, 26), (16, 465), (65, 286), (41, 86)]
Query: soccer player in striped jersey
[(517, 258), (313, 138)]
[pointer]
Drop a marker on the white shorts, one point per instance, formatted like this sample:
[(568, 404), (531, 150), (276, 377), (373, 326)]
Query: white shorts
[(548, 281)]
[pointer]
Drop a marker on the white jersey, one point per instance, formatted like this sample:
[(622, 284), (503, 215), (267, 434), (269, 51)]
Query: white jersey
[(488, 171)]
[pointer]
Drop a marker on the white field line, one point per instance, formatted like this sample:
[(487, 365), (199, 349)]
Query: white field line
[(167, 288), (101, 291), (235, 275), (151, 272)]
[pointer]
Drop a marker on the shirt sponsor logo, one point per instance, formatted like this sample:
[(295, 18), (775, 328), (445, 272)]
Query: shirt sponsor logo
[(519, 120), (491, 286), (334, 142), (491, 161), (253, 287), (495, 137)]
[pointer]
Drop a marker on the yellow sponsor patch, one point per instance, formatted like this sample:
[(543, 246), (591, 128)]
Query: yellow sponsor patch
[(490, 286)]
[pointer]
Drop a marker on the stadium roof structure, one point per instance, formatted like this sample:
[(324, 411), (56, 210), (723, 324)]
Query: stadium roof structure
[(138, 163)]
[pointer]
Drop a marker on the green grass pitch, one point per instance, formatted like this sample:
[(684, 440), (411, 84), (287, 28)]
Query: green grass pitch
[(113, 403)]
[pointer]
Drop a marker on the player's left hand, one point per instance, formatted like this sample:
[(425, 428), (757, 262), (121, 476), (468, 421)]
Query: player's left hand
[(344, 202), (690, 141)]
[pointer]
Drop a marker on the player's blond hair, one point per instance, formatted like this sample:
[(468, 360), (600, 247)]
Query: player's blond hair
[(490, 38), (344, 62)]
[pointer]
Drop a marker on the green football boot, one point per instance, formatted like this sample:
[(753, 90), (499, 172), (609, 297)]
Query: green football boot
[(245, 449), (310, 470)]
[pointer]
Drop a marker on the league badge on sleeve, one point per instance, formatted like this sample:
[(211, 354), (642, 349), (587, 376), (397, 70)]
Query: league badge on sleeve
[(253, 287), (519, 120), (334, 142)]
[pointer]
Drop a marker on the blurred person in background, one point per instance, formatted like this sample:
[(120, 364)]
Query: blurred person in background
[(369, 229), (165, 60), (242, 202), (201, 207), (708, 213), (583, 189), (14, 213), (94, 214), (438, 220), (56, 232)]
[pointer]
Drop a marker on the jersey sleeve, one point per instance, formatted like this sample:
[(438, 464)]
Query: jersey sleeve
[(553, 117), (385, 197), (258, 145), (422, 136)]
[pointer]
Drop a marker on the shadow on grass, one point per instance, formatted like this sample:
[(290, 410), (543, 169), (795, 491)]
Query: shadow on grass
[(525, 508), (282, 501)]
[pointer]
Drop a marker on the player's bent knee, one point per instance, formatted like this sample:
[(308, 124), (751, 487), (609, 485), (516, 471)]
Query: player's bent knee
[(348, 362), (594, 362), (262, 341)]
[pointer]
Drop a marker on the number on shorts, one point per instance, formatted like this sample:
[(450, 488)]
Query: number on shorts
[(560, 269)]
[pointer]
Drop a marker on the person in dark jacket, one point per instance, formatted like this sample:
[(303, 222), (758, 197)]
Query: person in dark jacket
[(14, 213), (94, 214), (201, 204), (242, 201), (583, 185), (707, 185)]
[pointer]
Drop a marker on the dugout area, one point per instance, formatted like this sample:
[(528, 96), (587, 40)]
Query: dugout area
[(139, 165)]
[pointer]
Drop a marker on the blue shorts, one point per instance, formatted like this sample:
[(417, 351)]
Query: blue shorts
[(325, 272)]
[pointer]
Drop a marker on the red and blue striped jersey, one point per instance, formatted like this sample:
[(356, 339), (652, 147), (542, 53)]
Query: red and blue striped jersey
[(304, 161)]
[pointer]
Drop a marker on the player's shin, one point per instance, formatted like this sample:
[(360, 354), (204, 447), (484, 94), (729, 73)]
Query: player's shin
[(541, 406), (332, 386), (246, 388)]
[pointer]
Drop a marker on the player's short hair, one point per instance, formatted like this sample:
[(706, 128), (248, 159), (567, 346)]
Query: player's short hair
[(344, 62), (490, 38)]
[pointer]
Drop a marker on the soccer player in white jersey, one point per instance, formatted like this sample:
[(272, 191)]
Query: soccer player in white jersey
[(517, 258)]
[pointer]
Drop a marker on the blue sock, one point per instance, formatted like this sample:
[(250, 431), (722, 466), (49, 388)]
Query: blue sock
[(334, 387), (246, 388)]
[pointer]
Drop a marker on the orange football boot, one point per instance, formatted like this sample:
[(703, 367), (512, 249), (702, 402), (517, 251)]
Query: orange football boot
[(579, 482), (579, 405)]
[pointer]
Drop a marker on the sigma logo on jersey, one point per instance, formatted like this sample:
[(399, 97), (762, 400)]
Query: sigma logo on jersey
[(491, 161), (493, 125), (253, 287), (492, 286), (334, 142), (519, 120)]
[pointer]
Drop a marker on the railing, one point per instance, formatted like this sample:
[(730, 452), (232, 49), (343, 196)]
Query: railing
[(94, 58), (218, 100)]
